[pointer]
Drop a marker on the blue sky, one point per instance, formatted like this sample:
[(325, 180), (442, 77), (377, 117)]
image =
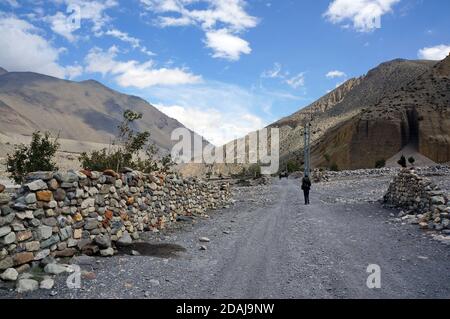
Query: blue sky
[(222, 67)]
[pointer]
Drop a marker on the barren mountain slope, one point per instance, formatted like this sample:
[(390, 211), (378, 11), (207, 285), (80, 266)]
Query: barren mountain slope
[(81, 111), (417, 114), (333, 119), (347, 101)]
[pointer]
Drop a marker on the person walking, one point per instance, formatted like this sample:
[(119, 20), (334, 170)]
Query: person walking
[(306, 187)]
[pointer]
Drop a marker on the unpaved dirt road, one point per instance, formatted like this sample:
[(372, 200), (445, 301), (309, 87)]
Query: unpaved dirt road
[(269, 245)]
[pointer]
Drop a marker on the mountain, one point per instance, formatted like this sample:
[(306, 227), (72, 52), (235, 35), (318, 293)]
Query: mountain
[(415, 115), (345, 102), (399, 105), (78, 111)]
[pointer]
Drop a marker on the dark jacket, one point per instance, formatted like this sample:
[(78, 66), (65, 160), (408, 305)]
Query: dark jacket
[(306, 184)]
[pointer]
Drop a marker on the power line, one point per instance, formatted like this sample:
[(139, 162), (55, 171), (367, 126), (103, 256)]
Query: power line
[(307, 145)]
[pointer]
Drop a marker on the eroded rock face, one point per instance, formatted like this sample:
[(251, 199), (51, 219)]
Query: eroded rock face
[(417, 114)]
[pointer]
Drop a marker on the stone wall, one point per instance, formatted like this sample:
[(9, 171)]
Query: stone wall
[(63, 214), (426, 204)]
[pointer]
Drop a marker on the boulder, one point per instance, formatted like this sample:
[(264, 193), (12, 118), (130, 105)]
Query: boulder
[(6, 263), (47, 284), (107, 252), (125, 239), (103, 241), (4, 198), (5, 231), (9, 274), (37, 185), (44, 196), (56, 269), (23, 258), (27, 285)]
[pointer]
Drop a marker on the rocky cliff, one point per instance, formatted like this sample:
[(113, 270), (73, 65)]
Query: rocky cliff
[(416, 114)]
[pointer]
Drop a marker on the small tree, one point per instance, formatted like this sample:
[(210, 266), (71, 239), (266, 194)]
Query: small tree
[(126, 149), (411, 160), (402, 161), (38, 156)]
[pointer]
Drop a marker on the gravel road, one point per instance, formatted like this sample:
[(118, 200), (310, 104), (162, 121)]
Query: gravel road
[(269, 245)]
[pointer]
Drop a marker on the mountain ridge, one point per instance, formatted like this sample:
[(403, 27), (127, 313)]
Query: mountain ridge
[(85, 111)]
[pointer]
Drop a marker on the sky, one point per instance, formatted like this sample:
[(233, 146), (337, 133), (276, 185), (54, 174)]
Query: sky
[(223, 68)]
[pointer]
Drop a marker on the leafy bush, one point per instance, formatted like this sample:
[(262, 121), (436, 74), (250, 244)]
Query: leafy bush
[(402, 161), (254, 171), (293, 166), (411, 160), (38, 156), (125, 150), (380, 163), (334, 167)]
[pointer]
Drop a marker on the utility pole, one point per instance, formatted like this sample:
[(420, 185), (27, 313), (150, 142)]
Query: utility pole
[(307, 147)]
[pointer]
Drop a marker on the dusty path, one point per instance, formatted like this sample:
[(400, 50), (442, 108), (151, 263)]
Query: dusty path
[(271, 246)]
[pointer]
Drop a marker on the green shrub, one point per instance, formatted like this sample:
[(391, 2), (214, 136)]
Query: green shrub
[(254, 171), (125, 151), (293, 166), (402, 161), (334, 167), (380, 163), (38, 156)]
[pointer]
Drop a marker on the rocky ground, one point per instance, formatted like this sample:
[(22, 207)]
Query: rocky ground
[(268, 245)]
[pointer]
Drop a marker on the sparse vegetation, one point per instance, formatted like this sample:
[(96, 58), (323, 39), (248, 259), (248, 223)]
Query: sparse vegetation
[(334, 167), (293, 166), (254, 171), (402, 161), (126, 150), (411, 160), (38, 156), (380, 163)]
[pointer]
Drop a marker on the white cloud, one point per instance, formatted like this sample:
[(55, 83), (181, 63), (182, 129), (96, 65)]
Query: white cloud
[(123, 36), (23, 48), (364, 14), (438, 52), (135, 74), (219, 111), (74, 71), (218, 127), (335, 74), (13, 3), (274, 73), (226, 45), (277, 72), (89, 11), (297, 81), (59, 24), (221, 20)]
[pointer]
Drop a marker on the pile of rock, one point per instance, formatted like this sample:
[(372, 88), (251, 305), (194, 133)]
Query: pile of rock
[(426, 204), (63, 214), (438, 170)]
